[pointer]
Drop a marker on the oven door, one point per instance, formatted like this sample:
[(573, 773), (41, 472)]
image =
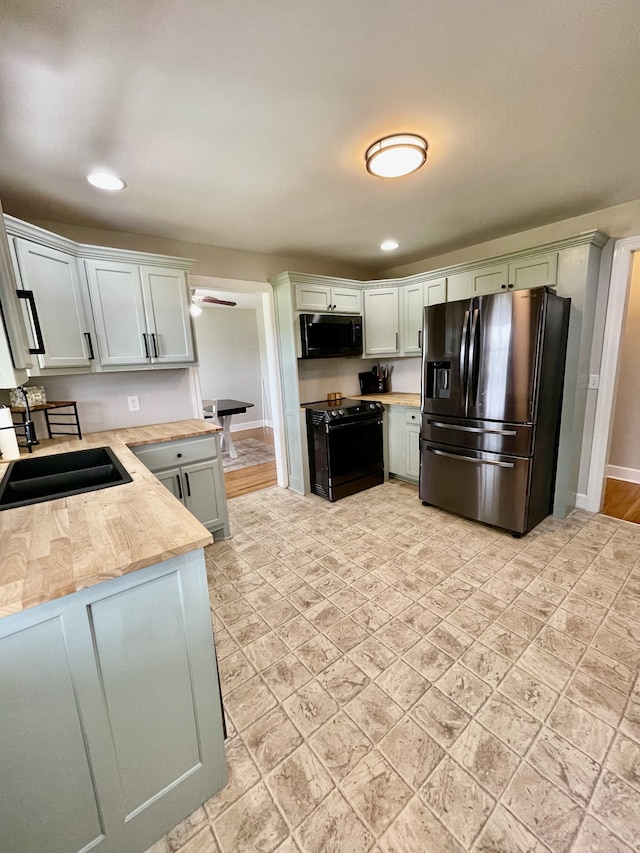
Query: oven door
[(355, 449)]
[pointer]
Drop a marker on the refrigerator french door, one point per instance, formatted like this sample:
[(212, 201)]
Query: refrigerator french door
[(493, 370)]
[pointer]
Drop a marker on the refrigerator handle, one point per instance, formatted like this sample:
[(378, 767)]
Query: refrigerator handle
[(474, 368), (463, 361)]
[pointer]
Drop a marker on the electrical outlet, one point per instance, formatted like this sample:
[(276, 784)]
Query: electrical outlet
[(594, 382), (134, 404)]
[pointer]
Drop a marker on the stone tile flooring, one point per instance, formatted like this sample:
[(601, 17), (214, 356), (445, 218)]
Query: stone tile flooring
[(399, 679)]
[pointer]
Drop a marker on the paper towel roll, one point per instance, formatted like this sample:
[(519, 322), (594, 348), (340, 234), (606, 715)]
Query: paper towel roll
[(8, 442)]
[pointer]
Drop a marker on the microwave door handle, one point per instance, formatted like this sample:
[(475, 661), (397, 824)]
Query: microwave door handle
[(352, 330)]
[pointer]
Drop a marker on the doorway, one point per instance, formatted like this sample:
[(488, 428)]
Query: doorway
[(615, 454), (238, 356)]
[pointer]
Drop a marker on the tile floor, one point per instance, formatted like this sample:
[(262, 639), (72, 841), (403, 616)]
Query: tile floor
[(399, 679)]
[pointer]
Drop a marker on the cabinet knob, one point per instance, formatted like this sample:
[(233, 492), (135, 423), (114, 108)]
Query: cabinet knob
[(511, 286), (503, 286), (179, 455)]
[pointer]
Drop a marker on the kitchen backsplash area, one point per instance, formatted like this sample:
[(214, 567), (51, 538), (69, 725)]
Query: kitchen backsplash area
[(163, 395), (323, 376)]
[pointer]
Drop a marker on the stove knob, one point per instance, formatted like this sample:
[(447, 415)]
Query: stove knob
[(333, 414), (372, 405), (341, 412)]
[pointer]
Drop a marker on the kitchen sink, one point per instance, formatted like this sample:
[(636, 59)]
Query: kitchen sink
[(44, 478)]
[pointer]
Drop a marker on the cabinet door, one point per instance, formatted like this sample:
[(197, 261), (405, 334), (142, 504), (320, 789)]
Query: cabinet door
[(346, 301), (201, 493), (170, 477), (412, 450), (435, 291), (314, 298), (166, 298), (536, 272), (381, 321), (412, 304), (54, 278), (395, 434), (459, 286), (118, 311)]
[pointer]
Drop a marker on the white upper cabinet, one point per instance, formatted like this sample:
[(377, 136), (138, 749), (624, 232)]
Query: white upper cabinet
[(167, 301), (534, 272), (537, 271), (61, 306), (413, 299), (323, 298), (141, 313), (381, 315)]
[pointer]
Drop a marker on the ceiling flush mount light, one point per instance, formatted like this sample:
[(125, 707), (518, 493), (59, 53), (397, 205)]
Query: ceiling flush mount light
[(397, 155), (389, 245), (105, 181)]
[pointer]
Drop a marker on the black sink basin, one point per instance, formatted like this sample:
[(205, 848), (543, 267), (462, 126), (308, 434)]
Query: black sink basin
[(45, 478)]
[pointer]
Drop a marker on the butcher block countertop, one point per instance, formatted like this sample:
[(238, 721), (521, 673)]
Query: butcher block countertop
[(393, 398), (57, 547)]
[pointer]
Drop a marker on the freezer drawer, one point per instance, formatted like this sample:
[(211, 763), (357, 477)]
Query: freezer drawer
[(492, 436), (487, 487)]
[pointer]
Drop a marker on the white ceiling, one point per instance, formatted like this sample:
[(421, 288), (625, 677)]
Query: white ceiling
[(243, 124)]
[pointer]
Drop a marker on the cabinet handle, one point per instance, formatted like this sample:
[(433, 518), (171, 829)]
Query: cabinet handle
[(419, 338), (38, 349), (179, 486), (87, 336), (146, 344), (397, 340), (186, 477), (155, 344)]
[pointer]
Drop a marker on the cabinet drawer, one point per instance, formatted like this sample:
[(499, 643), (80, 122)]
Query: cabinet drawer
[(412, 416), (167, 454)]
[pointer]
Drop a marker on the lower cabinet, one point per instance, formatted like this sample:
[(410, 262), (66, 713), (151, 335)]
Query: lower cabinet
[(191, 469), (404, 443), (111, 723)]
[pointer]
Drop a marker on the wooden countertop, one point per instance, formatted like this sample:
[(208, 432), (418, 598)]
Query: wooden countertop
[(392, 398), (57, 547)]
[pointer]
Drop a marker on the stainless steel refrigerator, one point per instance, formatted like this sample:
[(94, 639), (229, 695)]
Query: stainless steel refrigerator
[(493, 369)]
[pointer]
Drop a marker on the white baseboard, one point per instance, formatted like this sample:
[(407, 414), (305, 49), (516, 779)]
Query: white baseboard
[(581, 501), (631, 475), (249, 425)]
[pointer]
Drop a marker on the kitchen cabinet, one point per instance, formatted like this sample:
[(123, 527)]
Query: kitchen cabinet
[(192, 471), (15, 358), (413, 299), (537, 271), (404, 442), (112, 727), (141, 313), (61, 301), (321, 298), (381, 321)]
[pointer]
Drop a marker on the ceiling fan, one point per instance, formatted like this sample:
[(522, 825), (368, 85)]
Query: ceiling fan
[(215, 301)]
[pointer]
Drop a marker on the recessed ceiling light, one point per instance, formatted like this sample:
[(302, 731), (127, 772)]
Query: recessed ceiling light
[(389, 245), (105, 181), (397, 155)]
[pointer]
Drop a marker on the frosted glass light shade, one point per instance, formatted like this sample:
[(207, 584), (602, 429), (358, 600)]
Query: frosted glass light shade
[(105, 181), (397, 155)]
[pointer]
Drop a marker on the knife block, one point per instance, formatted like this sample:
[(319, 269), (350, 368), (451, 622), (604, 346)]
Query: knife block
[(370, 384)]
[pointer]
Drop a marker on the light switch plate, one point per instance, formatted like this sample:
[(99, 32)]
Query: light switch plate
[(594, 382)]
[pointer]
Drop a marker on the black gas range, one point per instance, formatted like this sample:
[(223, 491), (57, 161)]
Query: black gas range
[(345, 446)]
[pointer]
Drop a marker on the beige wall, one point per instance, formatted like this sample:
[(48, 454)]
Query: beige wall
[(209, 260), (624, 451), (620, 221)]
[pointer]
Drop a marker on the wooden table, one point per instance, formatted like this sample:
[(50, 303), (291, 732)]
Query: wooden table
[(225, 410)]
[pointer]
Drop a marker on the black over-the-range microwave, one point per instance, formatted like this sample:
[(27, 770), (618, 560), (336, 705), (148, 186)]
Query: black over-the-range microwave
[(330, 335)]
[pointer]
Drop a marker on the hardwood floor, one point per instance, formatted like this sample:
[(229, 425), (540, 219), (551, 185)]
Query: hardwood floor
[(622, 500), (255, 477)]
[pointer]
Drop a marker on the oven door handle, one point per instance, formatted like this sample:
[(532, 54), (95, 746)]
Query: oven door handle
[(359, 422)]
